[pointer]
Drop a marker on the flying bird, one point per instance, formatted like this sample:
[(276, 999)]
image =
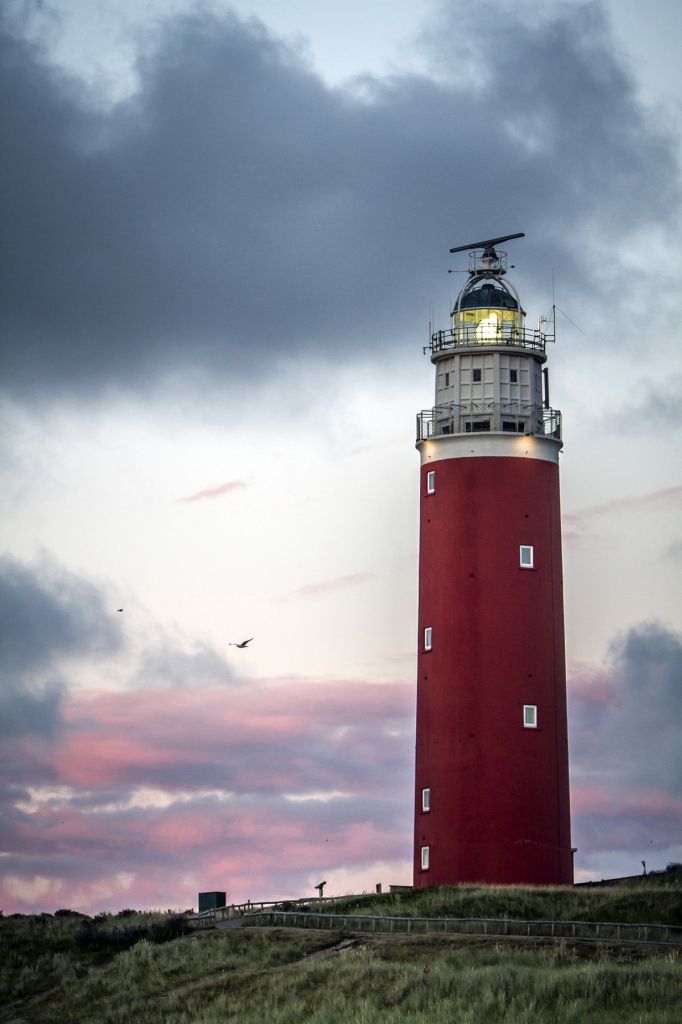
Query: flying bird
[(119, 609), (242, 644)]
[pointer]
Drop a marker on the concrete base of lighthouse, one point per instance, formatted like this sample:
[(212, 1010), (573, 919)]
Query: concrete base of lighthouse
[(492, 795)]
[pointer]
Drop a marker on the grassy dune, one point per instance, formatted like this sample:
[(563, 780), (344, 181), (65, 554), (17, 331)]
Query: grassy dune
[(130, 970), (661, 904)]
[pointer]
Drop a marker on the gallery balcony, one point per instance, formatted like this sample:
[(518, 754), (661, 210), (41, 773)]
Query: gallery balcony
[(484, 335), (488, 417)]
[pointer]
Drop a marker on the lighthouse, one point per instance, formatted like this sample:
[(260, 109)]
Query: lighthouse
[(492, 795)]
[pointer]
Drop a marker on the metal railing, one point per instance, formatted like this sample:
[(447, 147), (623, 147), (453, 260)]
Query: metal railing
[(207, 918), (488, 417), (601, 931), (475, 336)]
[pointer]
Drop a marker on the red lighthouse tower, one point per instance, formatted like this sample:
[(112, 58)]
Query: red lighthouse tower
[(492, 797)]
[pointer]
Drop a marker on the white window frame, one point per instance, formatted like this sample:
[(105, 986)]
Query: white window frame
[(428, 638), (431, 482), (525, 564), (533, 709), (425, 858), (426, 800)]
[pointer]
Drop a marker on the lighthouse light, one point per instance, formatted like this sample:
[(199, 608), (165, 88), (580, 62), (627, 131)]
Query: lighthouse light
[(488, 328)]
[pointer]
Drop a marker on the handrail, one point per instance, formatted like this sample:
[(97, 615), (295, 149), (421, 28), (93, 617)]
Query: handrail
[(207, 917), (488, 417), (603, 931), (465, 336)]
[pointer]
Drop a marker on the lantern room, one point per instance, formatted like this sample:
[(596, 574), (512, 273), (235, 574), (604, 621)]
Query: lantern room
[(487, 312)]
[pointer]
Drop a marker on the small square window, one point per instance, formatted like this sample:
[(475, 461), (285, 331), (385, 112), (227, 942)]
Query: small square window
[(428, 636), (425, 858), (476, 376), (426, 800), (513, 376), (530, 716), (526, 556), (431, 481)]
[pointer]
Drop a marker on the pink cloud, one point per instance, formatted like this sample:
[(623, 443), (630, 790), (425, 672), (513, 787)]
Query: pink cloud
[(213, 492), (189, 790), (326, 586), (647, 805), (594, 686), (576, 522)]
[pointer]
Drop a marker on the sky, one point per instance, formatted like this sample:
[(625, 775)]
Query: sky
[(226, 232)]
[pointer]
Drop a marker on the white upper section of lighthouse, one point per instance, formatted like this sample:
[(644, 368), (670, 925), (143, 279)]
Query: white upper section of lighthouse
[(489, 367)]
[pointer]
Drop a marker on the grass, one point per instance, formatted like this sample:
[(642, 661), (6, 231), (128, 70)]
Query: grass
[(129, 969), (252, 977), (650, 904)]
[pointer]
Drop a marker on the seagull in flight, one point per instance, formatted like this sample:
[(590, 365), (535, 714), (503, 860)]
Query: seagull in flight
[(242, 644)]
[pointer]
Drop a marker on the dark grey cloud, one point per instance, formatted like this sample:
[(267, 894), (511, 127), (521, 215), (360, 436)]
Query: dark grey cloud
[(168, 666), (659, 408), (46, 613), (625, 720), (237, 209), (625, 753)]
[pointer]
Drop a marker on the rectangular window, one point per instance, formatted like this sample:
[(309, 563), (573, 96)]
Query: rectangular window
[(526, 556), (426, 800), (447, 380), (428, 636), (431, 481), (530, 716), (425, 858), (476, 376), (513, 376)]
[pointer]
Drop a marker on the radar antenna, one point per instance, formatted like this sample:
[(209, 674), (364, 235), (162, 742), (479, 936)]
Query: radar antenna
[(488, 245)]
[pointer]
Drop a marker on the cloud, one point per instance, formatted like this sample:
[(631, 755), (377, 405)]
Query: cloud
[(577, 522), (261, 787), (326, 586), (660, 408), (257, 791), (167, 665), (624, 739), (673, 551), (47, 614), (214, 492), (236, 204)]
